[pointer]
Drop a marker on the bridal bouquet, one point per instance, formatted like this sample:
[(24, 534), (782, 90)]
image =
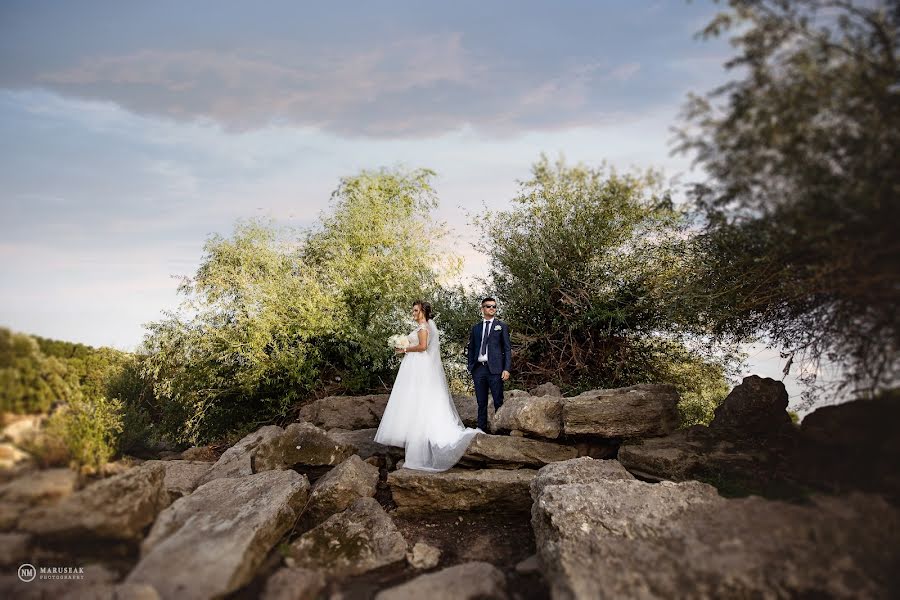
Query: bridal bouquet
[(398, 341)]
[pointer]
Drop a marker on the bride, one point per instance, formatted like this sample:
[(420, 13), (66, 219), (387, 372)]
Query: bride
[(420, 414)]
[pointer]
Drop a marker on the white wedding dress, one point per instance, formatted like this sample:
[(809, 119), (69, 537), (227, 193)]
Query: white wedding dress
[(420, 414)]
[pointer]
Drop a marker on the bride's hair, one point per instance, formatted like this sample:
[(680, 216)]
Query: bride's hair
[(426, 308)]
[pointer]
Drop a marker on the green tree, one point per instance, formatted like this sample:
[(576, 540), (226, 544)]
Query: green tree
[(583, 265), (30, 381), (268, 322), (801, 206)]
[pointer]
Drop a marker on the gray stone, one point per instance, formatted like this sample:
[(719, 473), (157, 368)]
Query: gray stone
[(423, 556), (118, 508), (40, 487), (339, 488), (510, 452), (237, 461), (211, 542), (629, 539), (301, 444), (546, 389), (536, 416), (14, 548), (461, 489), (636, 411), (345, 412), (757, 405), (360, 539), (294, 584), (468, 581), (578, 470), (182, 476), (364, 442), (467, 408)]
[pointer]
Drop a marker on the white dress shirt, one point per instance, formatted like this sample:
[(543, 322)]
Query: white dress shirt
[(486, 328)]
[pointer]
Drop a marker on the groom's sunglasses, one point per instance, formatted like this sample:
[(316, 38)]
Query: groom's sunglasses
[(488, 306)]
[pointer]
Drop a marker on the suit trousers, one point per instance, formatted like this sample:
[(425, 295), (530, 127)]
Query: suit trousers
[(485, 380)]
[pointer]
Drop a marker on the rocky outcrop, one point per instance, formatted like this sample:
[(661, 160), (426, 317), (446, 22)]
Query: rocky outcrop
[(339, 488), (461, 489), (538, 416), (668, 540), (503, 451), (357, 540), (468, 581), (345, 412), (630, 412), (118, 508), (220, 534)]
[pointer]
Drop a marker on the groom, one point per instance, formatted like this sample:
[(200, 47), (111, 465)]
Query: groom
[(489, 359)]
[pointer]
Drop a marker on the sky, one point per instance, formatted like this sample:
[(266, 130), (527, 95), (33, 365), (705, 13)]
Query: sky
[(131, 132)]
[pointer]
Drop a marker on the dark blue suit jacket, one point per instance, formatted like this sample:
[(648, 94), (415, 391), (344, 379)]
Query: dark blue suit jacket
[(499, 352)]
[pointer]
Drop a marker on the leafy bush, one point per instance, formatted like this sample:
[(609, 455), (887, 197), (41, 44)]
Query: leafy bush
[(30, 381)]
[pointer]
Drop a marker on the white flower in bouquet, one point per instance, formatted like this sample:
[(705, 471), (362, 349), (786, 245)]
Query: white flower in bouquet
[(398, 341)]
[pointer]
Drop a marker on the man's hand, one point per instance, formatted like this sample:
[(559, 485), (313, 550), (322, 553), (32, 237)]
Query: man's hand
[(505, 375)]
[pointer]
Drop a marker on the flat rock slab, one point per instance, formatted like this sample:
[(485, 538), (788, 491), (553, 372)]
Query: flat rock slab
[(637, 411), (468, 581), (40, 487), (630, 539), (345, 412), (117, 508), (510, 452), (360, 539), (461, 490), (211, 542)]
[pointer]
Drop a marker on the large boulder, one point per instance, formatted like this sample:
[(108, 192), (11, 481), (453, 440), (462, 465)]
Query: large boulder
[(237, 461), (118, 508), (461, 489), (182, 476), (468, 581), (345, 412), (578, 470), (301, 445), (509, 452), (634, 539), (339, 488), (636, 411), (211, 542), (539, 416), (757, 406), (357, 540)]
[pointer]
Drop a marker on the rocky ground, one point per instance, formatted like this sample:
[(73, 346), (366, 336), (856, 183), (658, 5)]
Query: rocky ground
[(591, 496)]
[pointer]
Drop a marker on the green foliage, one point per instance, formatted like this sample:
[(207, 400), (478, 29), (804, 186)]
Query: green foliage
[(801, 206), (583, 266), (274, 321), (31, 381), (89, 428)]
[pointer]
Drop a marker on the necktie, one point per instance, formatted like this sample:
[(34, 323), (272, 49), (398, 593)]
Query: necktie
[(484, 336)]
